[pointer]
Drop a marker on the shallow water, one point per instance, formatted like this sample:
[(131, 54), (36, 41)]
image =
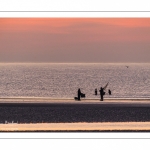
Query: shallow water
[(63, 80)]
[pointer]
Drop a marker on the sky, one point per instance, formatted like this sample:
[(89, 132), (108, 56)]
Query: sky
[(79, 40)]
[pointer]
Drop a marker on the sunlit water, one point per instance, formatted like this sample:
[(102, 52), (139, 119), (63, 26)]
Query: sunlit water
[(63, 80)]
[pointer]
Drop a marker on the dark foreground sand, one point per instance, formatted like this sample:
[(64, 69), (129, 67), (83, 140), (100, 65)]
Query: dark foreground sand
[(70, 111)]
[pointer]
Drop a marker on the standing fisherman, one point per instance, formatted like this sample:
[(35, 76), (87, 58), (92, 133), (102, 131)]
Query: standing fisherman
[(109, 91), (101, 93), (95, 91), (79, 94)]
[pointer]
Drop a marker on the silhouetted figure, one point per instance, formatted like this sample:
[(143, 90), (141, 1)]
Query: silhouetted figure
[(95, 91), (82, 95), (109, 91), (102, 93), (79, 94)]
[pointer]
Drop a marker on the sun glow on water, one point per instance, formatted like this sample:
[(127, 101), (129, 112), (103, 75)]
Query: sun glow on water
[(62, 80)]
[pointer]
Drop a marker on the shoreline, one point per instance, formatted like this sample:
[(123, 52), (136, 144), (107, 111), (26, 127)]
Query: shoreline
[(45, 99), (48, 102), (48, 98)]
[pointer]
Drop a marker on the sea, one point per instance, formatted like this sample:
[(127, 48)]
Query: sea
[(62, 80)]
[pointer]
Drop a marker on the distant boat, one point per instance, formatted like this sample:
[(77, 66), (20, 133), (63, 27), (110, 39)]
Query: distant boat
[(127, 66)]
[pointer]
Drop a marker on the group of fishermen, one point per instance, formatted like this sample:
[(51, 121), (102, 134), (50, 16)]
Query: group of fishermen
[(102, 93)]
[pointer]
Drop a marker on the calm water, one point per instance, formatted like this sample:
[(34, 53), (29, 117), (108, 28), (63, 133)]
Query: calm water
[(63, 80)]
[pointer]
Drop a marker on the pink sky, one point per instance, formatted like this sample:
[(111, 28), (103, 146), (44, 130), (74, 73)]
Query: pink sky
[(74, 40)]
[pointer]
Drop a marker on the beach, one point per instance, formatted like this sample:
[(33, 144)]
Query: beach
[(54, 115)]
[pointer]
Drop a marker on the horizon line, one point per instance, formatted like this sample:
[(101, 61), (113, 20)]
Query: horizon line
[(74, 62)]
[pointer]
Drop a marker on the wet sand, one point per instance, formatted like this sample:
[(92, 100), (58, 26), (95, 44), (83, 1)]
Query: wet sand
[(78, 127), (71, 115)]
